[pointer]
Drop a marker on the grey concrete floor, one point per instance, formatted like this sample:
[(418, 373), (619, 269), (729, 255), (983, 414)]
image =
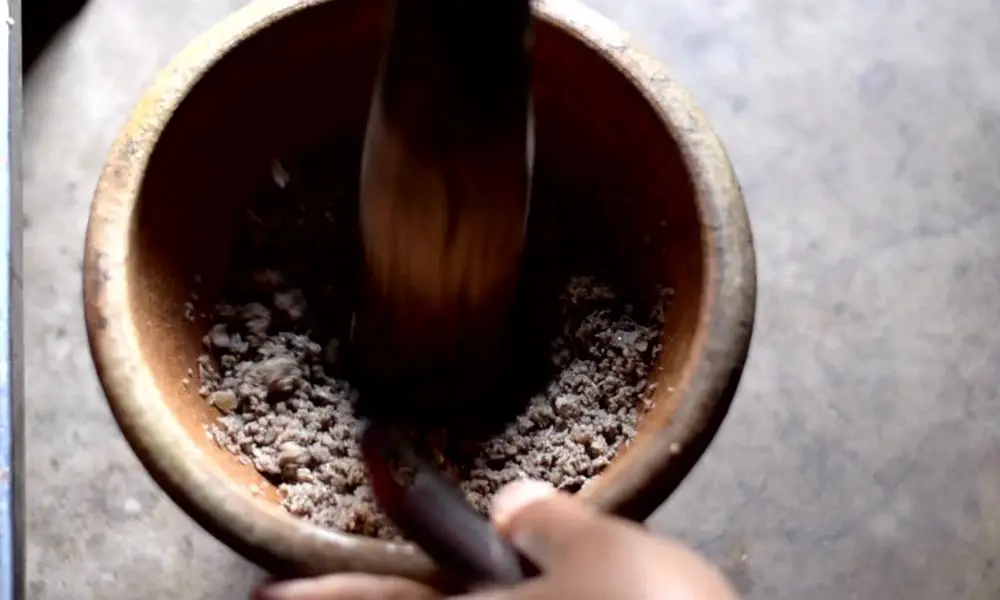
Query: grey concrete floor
[(862, 456)]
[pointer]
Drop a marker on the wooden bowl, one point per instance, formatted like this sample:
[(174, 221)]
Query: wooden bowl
[(638, 185)]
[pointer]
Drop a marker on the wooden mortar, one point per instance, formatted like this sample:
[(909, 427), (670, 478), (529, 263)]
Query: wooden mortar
[(640, 188)]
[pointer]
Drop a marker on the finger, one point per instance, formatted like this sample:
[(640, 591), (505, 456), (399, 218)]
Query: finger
[(533, 590), (515, 496), (553, 528), (346, 587)]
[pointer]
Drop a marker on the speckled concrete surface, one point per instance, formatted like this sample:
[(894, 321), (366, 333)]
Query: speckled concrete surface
[(862, 457)]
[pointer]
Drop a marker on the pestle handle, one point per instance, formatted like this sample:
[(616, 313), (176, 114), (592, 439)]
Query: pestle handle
[(432, 513)]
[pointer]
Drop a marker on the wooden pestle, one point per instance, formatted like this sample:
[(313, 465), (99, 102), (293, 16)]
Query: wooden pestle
[(445, 184)]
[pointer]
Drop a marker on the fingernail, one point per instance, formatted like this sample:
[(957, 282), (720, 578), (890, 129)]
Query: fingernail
[(279, 590), (517, 495)]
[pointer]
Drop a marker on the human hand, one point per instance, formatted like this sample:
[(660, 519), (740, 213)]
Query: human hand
[(581, 553)]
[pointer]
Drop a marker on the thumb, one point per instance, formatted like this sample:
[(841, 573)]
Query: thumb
[(551, 528)]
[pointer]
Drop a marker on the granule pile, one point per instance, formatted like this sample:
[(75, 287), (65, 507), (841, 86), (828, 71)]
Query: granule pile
[(296, 425)]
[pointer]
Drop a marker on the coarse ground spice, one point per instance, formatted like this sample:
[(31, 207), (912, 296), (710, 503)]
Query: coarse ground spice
[(272, 366)]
